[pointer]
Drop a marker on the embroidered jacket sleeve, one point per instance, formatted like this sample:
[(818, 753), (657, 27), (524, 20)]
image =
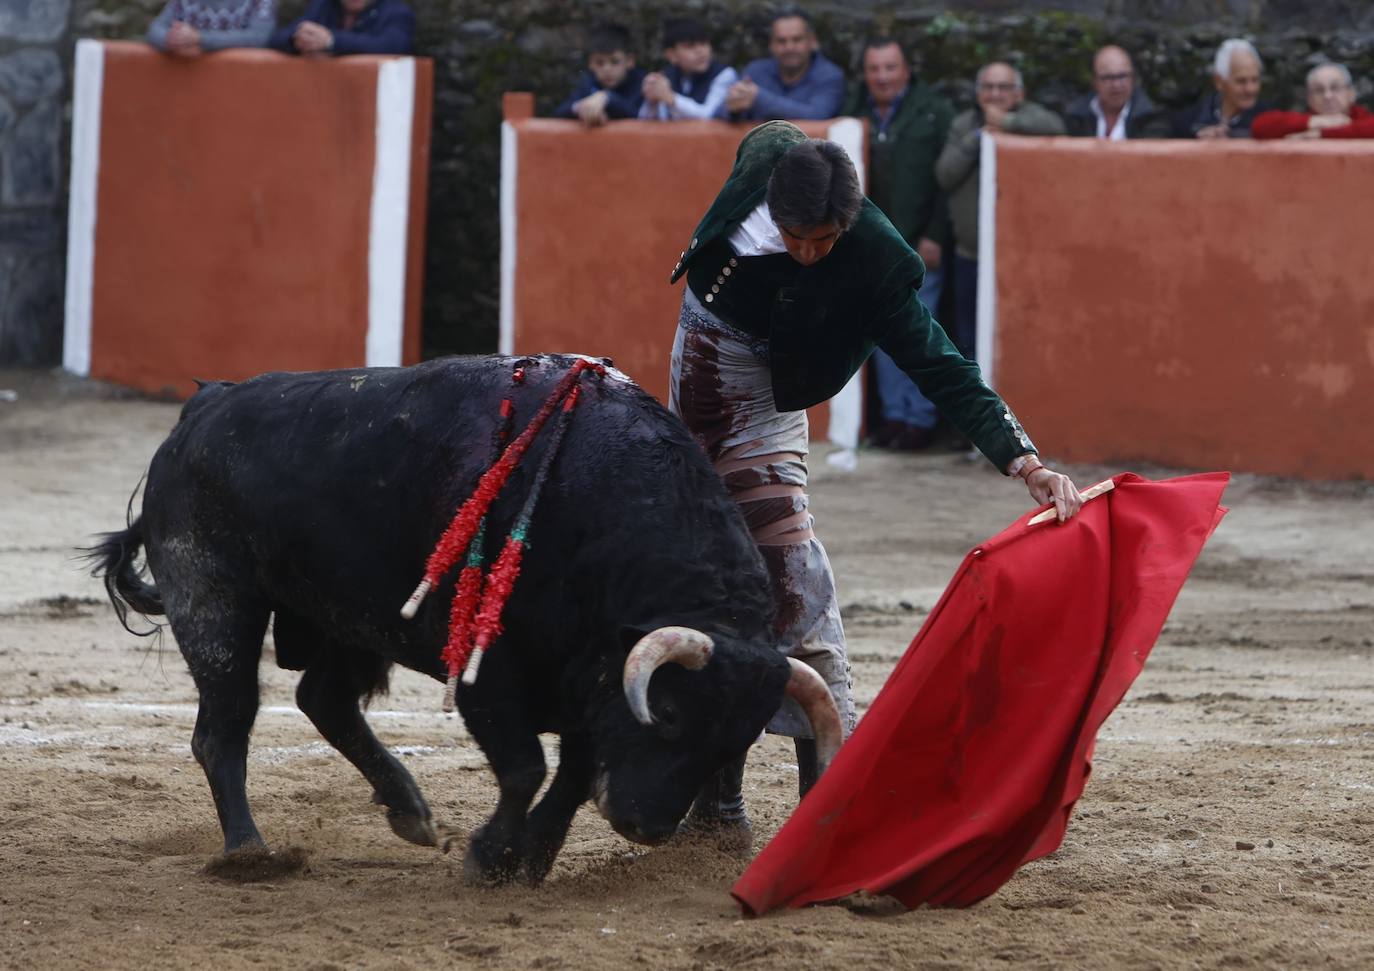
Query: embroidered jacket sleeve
[(906, 330)]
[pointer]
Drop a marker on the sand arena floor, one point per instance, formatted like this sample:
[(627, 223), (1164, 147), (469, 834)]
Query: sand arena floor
[(1229, 823)]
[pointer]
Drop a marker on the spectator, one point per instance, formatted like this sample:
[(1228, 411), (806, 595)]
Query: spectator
[(349, 27), (796, 82), (1117, 108), (1228, 111), (189, 28), (1002, 107), (611, 87), (1331, 101), (695, 84), (907, 123)]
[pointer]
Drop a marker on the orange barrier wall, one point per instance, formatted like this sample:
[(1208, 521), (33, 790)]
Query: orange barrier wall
[(601, 219), (233, 216), (1204, 306)]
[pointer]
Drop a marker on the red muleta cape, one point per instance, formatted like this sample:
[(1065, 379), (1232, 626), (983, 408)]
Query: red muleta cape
[(973, 754)]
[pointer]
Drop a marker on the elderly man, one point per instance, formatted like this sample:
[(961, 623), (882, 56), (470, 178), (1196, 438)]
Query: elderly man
[(1117, 108), (907, 123), (1332, 107), (796, 82), (1228, 111), (793, 277), (349, 27), (1002, 107)]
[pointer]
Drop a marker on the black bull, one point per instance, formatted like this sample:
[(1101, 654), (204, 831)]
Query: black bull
[(312, 500)]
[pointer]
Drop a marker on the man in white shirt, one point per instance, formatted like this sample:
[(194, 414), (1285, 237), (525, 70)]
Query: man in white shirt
[(1117, 108)]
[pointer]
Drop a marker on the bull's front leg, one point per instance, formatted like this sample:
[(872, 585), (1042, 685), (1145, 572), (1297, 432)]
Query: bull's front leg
[(497, 850), (548, 824)]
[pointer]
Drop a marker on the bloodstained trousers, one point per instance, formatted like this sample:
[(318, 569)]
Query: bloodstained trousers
[(721, 386)]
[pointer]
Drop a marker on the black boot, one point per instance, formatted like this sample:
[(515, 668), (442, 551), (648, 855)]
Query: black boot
[(718, 813), (808, 765)]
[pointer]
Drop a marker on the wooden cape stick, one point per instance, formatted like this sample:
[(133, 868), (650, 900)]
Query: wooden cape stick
[(1092, 492)]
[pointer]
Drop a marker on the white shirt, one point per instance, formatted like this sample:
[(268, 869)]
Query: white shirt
[(685, 107), (1118, 132), (758, 235)]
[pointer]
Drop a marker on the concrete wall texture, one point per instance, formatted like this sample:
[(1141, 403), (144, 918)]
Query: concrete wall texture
[(482, 49)]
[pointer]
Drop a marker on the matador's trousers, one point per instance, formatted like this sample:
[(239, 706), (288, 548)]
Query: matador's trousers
[(721, 386)]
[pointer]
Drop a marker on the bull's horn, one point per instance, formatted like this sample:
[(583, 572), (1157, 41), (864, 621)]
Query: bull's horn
[(809, 690), (680, 645)]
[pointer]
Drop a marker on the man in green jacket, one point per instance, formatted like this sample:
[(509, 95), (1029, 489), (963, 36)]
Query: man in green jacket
[(907, 123), (793, 279), (1002, 107)]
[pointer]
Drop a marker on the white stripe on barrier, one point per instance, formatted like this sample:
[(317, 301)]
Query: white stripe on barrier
[(390, 219), (509, 145), (81, 206), (987, 256)]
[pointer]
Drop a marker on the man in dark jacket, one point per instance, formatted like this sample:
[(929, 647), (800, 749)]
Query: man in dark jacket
[(793, 278), (907, 125), (1117, 108), (1228, 111), (349, 27)]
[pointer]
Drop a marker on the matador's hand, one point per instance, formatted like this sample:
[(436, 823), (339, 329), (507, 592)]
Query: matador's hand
[(1048, 486)]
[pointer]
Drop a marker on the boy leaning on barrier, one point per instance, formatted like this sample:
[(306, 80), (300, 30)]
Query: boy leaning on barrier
[(694, 84), (611, 85)]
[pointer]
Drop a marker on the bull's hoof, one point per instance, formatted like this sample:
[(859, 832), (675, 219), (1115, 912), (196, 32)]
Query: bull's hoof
[(252, 864), (413, 829), (734, 836), (487, 865)]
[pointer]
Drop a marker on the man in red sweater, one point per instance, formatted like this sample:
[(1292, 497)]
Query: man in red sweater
[(1331, 96)]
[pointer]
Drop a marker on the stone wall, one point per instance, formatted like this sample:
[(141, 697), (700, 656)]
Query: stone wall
[(482, 48), (35, 61)]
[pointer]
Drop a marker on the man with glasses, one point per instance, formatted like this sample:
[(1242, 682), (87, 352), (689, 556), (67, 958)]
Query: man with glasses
[(1002, 107), (1333, 111), (1116, 109)]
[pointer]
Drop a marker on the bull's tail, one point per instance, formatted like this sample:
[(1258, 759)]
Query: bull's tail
[(113, 559)]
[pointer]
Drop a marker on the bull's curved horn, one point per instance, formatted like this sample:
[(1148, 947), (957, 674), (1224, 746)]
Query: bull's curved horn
[(680, 645), (809, 690)]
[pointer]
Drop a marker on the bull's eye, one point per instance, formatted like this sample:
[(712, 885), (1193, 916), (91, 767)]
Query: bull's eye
[(667, 719)]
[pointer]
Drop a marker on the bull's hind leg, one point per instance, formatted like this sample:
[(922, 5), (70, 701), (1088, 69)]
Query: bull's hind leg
[(222, 644), (329, 694)]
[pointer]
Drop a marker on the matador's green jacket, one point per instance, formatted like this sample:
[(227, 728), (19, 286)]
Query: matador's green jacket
[(860, 296)]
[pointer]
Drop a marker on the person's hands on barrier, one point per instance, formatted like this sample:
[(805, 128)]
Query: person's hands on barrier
[(1304, 135), (930, 252), (1318, 122), (1212, 132), (741, 95), (313, 38), (592, 109), (657, 90), (183, 39)]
